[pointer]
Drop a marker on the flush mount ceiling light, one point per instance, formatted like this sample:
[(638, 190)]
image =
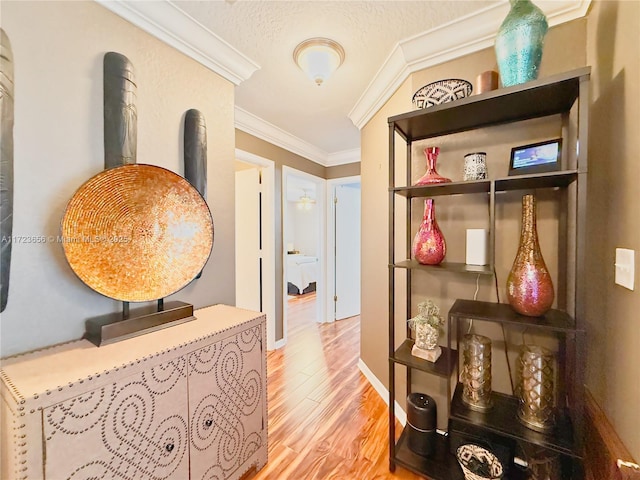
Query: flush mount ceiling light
[(318, 58)]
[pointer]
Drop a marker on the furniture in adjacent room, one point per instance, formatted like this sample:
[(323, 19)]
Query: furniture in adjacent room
[(563, 99), (188, 401), (302, 274)]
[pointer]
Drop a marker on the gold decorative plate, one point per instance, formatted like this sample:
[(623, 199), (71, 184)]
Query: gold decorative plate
[(137, 233)]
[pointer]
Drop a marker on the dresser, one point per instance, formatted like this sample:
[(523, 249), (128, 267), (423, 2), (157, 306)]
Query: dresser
[(185, 402)]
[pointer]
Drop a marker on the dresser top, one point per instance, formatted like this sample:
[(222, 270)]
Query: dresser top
[(57, 368)]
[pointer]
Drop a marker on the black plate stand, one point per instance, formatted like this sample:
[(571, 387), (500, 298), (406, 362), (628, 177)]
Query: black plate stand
[(114, 327)]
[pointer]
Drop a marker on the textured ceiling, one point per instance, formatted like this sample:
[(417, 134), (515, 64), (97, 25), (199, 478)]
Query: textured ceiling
[(279, 93)]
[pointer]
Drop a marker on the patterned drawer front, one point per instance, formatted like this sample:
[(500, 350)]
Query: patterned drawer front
[(226, 405), (133, 429)]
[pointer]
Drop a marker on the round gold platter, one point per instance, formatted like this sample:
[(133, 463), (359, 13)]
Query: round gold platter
[(137, 233)]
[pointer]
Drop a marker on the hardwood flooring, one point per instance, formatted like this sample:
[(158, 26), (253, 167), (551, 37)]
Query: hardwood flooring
[(325, 419)]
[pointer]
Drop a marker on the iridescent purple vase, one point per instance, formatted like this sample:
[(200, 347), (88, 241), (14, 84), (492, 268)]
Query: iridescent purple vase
[(429, 246), (529, 285), (431, 176)]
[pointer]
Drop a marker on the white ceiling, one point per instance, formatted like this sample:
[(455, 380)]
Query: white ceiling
[(384, 41), (268, 31)]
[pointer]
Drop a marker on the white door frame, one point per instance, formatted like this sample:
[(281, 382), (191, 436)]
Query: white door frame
[(268, 239), (321, 285), (331, 240)]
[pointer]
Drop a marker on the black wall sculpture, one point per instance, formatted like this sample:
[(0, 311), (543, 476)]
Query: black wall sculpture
[(120, 114), (195, 152), (6, 165)]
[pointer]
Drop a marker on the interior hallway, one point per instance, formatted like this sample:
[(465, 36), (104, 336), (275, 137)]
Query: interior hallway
[(325, 420)]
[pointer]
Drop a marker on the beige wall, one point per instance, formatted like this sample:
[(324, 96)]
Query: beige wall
[(58, 49), (564, 50), (613, 50), (341, 171)]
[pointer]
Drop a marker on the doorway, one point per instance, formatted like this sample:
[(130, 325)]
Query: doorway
[(343, 245), (303, 229), (255, 238)]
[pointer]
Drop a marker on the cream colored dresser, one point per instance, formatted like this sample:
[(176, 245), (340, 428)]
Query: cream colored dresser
[(186, 402)]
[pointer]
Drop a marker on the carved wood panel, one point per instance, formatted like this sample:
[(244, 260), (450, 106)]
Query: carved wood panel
[(226, 404), (135, 428)]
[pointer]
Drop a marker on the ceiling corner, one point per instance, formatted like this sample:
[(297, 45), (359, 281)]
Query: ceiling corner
[(170, 24), (455, 39)]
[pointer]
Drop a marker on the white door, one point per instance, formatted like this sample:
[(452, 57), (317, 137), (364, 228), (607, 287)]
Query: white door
[(347, 258), (248, 240)]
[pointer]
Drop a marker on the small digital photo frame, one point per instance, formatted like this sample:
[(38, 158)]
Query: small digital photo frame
[(536, 158)]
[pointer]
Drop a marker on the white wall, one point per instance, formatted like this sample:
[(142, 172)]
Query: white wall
[(58, 49), (305, 224)]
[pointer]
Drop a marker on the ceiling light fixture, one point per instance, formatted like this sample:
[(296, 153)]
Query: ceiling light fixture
[(318, 58), (305, 202)]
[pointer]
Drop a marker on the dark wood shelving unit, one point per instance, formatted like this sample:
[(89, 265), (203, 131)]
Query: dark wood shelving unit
[(502, 419), (446, 266), (442, 465), (554, 320), (554, 97), (443, 367)]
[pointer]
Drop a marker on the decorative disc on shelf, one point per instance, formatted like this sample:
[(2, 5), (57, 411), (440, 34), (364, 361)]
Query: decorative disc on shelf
[(137, 233)]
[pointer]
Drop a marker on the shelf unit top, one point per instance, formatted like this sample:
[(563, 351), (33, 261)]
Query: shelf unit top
[(503, 313), (539, 98)]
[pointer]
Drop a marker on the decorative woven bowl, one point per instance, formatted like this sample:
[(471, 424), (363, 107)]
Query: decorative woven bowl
[(440, 92), (473, 459)]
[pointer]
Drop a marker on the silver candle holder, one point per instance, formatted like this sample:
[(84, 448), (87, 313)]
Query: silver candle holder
[(476, 373), (536, 387)]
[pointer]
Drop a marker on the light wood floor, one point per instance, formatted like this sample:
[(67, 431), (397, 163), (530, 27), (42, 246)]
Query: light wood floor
[(325, 419)]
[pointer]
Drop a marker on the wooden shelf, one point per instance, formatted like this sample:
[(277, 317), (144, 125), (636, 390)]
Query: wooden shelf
[(518, 182), (539, 98), (554, 320), (446, 266), (403, 356), (442, 465), (453, 188), (502, 419), (539, 180)]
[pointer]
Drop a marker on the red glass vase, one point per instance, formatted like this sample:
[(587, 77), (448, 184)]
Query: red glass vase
[(429, 246), (431, 176), (529, 285)]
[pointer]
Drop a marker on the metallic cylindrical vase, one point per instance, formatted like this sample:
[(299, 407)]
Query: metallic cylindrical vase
[(536, 385), (476, 373)]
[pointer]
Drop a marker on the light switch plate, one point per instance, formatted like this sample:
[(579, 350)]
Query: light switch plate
[(625, 267)]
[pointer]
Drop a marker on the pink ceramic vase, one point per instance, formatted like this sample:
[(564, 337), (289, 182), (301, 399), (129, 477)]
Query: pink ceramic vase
[(429, 247), (432, 176), (529, 285)]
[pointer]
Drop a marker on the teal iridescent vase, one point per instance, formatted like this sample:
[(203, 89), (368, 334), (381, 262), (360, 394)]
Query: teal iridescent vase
[(519, 43)]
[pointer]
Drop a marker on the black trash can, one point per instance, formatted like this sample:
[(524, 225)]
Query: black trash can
[(421, 422)]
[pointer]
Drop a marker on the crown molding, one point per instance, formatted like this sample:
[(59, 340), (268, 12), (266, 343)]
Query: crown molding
[(449, 41), (167, 22), (343, 157), (253, 125)]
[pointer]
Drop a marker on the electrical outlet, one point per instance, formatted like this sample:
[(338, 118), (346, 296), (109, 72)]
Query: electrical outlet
[(625, 267)]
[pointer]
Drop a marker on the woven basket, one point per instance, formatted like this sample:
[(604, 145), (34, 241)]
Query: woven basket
[(469, 454)]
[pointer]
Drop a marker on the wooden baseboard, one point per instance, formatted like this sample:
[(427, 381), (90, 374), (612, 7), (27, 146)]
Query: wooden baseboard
[(606, 457)]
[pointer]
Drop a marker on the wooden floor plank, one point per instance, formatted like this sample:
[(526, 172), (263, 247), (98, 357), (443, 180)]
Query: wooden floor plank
[(326, 422)]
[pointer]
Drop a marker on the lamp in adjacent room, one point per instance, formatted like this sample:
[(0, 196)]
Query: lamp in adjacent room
[(318, 58)]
